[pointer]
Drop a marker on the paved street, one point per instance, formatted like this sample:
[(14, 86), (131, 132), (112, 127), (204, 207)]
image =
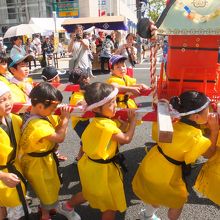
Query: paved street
[(195, 209)]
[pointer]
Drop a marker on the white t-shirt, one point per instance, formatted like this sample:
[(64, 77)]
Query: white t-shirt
[(84, 61)]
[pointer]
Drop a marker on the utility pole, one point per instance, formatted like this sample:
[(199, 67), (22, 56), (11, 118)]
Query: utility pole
[(138, 6)]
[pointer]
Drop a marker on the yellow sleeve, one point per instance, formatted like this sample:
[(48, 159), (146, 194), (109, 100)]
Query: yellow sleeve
[(110, 80), (218, 140), (54, 119), (198, 146), (155, 131), (33, 137), (42, 129), (130, 81), (17, 94), (76, 97)]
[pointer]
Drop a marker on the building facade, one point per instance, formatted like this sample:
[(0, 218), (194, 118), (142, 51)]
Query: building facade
[(14, 12)]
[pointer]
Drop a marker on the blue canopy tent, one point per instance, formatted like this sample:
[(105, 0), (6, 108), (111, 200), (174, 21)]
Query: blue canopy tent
[(104, 22)]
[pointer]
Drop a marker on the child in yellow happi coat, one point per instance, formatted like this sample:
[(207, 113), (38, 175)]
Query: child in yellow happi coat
[(52, 75), (38, 140), (160, 177), (123, 82), (12, 189), (4, 74), (20, 84), (79, 76), (208, 180), (100, 174)]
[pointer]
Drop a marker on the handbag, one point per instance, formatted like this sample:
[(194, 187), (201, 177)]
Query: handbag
[(90, 55), (133, 62)]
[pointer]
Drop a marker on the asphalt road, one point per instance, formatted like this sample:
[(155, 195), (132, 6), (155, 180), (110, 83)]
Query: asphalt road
[(195, 209)]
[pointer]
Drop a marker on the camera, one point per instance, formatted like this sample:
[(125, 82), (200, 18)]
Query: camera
[(78, 36)]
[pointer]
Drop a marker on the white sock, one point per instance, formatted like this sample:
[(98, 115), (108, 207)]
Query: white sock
[(150, 210)]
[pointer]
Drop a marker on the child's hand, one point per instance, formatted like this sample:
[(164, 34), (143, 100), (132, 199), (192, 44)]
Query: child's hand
[(213, 122), (131, 115), (136, 91), (123, 124), (10, 179), (65, 111), (144, 87)]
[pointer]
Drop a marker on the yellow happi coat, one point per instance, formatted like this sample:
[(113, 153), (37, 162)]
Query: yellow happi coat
[(9, 196), (4, 79), (125, 81), (208, 180), (158, 181), (102, 184), (41, 172), (75, 98), (18, 92)]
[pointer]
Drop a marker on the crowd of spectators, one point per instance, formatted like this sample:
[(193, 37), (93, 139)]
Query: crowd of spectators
[(85, 49)]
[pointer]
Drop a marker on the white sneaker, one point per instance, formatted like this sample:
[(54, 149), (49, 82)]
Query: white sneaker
[(144, 216), (70, 215)]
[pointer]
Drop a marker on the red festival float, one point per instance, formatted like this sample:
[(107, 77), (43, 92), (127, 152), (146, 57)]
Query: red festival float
[(193, 30)]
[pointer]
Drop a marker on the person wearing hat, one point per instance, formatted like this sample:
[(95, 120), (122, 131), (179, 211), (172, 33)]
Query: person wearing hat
[(17, 47), (12, 187), (51, 74), (20, 84), (123, 82)]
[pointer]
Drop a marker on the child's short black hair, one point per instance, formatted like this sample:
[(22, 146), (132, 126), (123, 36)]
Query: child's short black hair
[(46, 94), (97, 91)]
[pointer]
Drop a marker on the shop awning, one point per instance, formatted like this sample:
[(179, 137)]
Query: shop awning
[(104, 22), (48, 24)]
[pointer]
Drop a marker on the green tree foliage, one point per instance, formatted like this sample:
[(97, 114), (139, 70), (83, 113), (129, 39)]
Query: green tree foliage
[(154, 8)]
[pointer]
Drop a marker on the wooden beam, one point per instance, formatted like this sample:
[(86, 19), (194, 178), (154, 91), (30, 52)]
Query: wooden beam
[(165, 127)]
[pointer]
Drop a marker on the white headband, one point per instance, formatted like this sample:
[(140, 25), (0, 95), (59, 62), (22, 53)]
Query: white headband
[(103, 101), (3, 88), (175, 113)]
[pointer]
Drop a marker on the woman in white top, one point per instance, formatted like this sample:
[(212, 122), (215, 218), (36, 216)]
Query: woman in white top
[(79, 48), (17, 48), (129, 50)]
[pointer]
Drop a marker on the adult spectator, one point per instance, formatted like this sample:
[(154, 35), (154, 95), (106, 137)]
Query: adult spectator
[(93, 45), (17, 48), (79, 48), (60, 49), (138, 45), (2, 47), (130, 51), (106, 52), (47, 48), (32, 50), (99, 41), (37, 43), (114, 40)]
